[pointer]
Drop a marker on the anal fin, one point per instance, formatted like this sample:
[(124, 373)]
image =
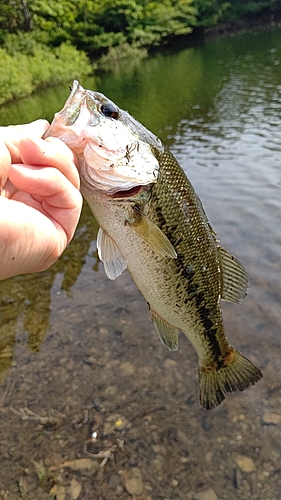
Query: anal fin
[(234, 277), (168, 334), (110, 255)]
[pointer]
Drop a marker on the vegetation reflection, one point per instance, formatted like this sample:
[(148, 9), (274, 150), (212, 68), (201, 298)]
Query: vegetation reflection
[(25, 301)]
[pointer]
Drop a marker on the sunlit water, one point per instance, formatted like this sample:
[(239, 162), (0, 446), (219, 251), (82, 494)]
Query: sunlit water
[(76, 343)]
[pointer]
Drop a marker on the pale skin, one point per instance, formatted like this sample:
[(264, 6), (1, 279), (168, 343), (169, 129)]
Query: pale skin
[(40, 201)]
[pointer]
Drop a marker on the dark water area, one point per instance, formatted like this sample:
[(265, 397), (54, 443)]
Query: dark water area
[(84, 378)]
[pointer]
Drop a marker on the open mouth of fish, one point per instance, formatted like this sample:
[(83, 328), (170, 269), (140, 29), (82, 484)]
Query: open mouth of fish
[(129, 193), (113, 158)]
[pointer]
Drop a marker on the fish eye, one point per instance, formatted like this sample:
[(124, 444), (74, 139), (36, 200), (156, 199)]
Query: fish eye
[(110, 111)]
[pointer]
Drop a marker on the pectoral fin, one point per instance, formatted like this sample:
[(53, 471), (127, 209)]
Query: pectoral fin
[(110, 255), (234, 277), (153, 236), (168, 334)]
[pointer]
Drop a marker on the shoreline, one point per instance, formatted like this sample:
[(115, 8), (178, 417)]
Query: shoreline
[(198, 35), (245, 25), (201, 34)]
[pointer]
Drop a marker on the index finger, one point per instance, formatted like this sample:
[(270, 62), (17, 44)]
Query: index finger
[(5, 163), (13, 134), (50, 152)]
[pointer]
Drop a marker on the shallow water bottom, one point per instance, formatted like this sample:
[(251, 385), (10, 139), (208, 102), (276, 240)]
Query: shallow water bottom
[(104, 411)]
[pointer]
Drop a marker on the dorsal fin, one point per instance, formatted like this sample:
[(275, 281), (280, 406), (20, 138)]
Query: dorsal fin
[(168, 334), (153, 235), (234, 277), (110, 255)]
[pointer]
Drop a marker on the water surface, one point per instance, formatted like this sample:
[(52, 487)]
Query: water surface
[(82, 351)]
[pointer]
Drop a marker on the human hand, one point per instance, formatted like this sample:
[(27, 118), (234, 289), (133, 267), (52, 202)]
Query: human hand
[(40, 202)]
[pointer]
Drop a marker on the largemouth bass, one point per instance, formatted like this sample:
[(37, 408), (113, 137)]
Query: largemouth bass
[(153, 223)]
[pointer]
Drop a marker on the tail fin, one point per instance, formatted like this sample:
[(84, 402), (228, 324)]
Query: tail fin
[(236, 373)]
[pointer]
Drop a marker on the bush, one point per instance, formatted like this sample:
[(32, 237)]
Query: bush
[(21, 74), (14, 79), (24, 43), (52, 66)]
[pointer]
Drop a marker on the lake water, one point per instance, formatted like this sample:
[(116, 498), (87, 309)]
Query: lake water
[(82, 370)]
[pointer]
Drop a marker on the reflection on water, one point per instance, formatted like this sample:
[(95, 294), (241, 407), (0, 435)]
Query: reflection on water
[(26, 300), (85, 379)]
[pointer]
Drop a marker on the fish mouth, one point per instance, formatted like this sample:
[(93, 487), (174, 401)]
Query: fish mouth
[(133, 192)]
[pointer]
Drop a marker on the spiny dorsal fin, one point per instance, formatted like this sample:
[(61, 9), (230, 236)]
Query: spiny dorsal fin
[(234, 277), (168, 334), (110, 255), (153, 236)]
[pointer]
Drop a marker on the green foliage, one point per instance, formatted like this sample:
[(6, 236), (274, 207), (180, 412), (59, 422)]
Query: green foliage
[(162, 19), (13, 80), (21, 74), (38, 37), (24, 43), (119, 15), (211, 12), (92, 25), (11, 16)]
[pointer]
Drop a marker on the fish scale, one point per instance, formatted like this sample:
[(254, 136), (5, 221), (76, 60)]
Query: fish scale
[(153, 223), (195, 292)]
